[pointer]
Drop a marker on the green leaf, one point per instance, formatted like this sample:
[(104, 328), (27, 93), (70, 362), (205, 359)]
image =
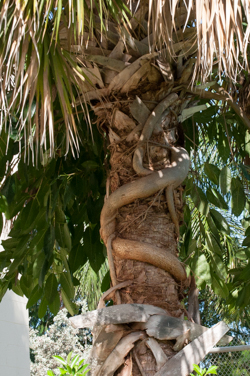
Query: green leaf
[(63, 371), (216, 199), (51, 288), (71, 307), (74, 361), (238, 197), (220, 221), (93, 248), (68, 357), (38, 264), (213, 370), (219, 287), (42, 308), (199, 200), (212, 172), (3, 204), (67, 285), (35, 295), (60, 359), (201, 269), (105, 282), (90, 165), (50, 373), (44, 270), (94, 209), (246, 242), (77, 257), (213, 227), (54, 306), (247, 232), (197, 369), (49, 241)]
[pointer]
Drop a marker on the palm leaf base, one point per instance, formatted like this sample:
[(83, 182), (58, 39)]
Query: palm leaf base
[(124, 336)]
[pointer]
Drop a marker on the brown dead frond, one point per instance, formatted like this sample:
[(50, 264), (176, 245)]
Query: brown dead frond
[(221, 28)]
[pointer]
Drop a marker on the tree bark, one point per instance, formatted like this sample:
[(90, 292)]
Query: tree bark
[(142, 234), (139, 102)]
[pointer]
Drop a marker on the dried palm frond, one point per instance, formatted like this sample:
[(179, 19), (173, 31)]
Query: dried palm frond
[(36, 71), (221, 29)]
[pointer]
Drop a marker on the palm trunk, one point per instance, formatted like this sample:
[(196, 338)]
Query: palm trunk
[(146, 222), (138, 107), (140, 226)]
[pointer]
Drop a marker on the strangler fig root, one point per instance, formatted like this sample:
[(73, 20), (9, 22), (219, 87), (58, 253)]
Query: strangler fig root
[(172, 175)]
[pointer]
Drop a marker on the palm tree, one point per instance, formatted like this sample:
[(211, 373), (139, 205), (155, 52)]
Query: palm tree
[(136, 65)]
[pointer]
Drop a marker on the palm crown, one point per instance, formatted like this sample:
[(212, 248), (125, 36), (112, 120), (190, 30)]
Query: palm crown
[(51, 52)]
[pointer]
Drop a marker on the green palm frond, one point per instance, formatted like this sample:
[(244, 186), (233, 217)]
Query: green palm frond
[(91, 284)]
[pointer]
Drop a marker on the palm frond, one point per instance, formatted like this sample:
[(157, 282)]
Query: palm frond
[(36, 69), (219, 28)]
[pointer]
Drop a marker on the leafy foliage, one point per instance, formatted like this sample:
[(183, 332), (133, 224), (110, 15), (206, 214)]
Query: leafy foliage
[(57, 227), (70, 368), (204, 372), (213, 243)]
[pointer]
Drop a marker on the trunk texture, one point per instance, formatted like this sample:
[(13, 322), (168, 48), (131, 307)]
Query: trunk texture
[(145, 220), (140, 226), (139, 101)]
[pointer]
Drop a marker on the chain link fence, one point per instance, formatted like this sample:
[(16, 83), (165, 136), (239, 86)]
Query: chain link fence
[(234, 363)]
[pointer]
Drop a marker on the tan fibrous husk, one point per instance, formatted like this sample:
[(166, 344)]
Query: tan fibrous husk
[(214, 26)]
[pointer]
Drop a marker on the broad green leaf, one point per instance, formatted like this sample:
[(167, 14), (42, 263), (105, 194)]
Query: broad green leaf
[(68, 357), (44, 270), (199, 200), (77, 257), (196, 368), (201, 270), (246, 242), (60, 359), (74, 361), (219, 286), (17, 289), (83, 368), (42, 308), (220, 221), (93, 248), (71, 307), (38, 264), (216, 199), (212, 244), (63, 371), (49, 241), (51, 288), (50, 373), (3, 204), (247, 232), (90, 165), (59, 235), (238, 197), (67, 285), (35, 295), (213, 370), (212, 172), (213, 227), (105, 282), (27, 283)]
